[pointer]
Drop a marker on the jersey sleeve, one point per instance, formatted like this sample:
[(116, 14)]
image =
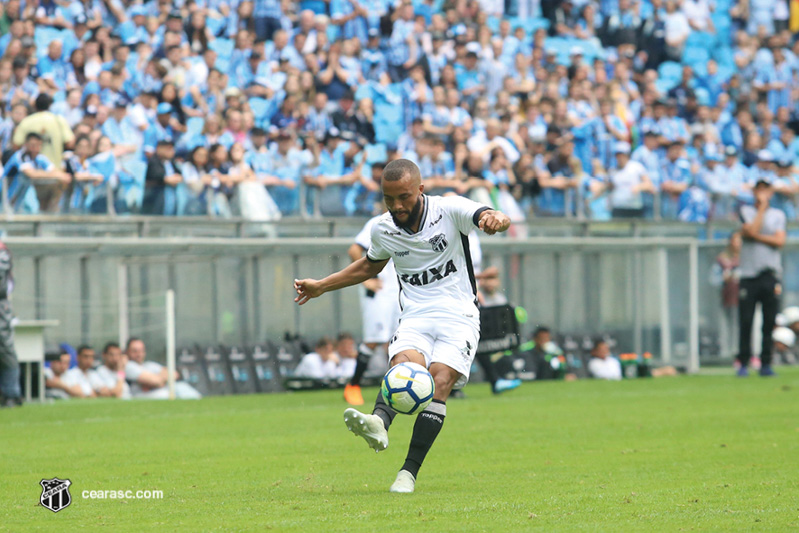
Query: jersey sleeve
[(464, 212), (364, 237), (376, 251)]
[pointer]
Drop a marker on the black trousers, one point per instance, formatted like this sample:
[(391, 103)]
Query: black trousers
[(766, 290)]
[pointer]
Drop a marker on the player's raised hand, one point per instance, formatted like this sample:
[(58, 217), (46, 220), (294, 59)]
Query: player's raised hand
[(306, 289), (494, 221)]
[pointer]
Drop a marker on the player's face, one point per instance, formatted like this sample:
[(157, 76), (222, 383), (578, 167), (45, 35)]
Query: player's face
[(403, 199), (86, 359), (136, 351)]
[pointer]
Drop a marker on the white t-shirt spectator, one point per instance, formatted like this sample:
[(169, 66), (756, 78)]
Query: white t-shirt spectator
[(88, 381), (109, 380), (313, 366), (607, 368), (624, 180), (479, 141), (697, 12), (347, 367), (133, 370), (677, 27)]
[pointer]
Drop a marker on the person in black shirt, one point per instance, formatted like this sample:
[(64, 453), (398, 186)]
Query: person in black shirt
[(161, 179)]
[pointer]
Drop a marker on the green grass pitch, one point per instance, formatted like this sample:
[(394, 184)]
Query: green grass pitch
[(705, 453)]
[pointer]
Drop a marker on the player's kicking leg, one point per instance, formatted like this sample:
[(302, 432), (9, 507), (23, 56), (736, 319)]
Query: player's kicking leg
[(374, 428), (426, 428)]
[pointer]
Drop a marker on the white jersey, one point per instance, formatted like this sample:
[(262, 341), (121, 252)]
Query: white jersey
[(388, 277), (434, 265)]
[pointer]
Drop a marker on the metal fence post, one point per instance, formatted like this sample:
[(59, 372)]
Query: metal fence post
[(693, 307)]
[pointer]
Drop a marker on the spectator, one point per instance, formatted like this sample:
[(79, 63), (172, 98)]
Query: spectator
[(629, 182), (675, 178), (602, 364), (558, 185), (347, 353), (10, 394), (26, 167), (161, 180), (112, 373), (58, 364), (763, 234), (83, 376), (149, 379), (322, 363), (677, 29), (726, 274)]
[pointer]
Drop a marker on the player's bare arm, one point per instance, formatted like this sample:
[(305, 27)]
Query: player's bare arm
[(493, 221), (357, 272), (355, 251)]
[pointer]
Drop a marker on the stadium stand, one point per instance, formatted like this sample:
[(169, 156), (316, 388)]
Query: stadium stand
[(303, 98)]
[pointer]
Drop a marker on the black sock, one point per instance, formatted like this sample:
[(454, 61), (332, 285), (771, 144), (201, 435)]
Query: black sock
[(383, 410), (425, 430), (488, 368), (364, 354)]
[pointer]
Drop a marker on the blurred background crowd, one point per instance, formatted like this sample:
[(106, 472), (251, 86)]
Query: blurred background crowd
[(266, 108)]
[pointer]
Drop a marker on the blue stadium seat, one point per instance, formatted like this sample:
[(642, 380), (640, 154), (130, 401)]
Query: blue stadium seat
[(693, 55), (670, 70), (724, 57), (530, 24), (726, 72), (376, 153), (701, 39), (700, 69), (663, 86)]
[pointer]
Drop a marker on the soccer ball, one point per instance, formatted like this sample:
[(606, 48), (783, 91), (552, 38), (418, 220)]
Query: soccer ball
[(408, 388)]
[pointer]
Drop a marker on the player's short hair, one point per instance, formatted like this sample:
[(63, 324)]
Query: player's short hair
[(598, 341), (83, 347), (33, 135), (322, 342), (108, 346), (43, 102), (399, 168), (541, 329), (131, 341), (343, 336)]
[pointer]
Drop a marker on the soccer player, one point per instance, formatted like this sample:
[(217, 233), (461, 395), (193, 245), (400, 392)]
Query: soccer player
[(427, 238), (379, 311)]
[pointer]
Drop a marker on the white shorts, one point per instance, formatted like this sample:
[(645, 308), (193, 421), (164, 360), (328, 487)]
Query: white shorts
[(452, 341), (380, 316)]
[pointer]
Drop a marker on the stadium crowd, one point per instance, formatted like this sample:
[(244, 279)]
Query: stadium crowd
[(265, 108)]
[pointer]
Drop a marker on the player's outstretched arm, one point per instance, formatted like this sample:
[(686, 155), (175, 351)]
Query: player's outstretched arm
[(357, 272), (493, 221)]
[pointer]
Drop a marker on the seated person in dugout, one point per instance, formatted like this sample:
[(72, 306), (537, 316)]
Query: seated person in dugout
[(83, 376), (149, 379), (58, 364)]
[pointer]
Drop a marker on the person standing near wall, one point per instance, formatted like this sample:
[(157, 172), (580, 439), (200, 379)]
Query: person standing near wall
[(10, 393), (726, 275), (763, 233)]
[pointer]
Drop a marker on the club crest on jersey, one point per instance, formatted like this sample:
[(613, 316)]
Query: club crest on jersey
[(429, 276), (439, 243)]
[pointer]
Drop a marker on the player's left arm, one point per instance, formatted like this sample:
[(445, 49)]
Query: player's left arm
[(492, 221)]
